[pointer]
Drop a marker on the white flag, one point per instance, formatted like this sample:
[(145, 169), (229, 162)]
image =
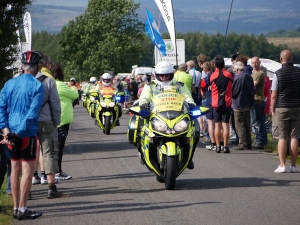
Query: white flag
[(27, 28), (166, 10)]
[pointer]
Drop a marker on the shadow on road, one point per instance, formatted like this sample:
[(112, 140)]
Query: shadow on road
[(235, 182)]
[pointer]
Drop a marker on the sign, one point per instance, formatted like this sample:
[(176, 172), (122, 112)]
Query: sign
[(171, 52), (168, 101)]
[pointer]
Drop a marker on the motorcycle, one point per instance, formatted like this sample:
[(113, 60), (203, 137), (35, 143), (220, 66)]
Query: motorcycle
[(108, 110), (90, 102), (166, 135)]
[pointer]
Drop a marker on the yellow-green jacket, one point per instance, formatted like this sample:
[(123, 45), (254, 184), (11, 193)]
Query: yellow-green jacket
[(185, 78), (148, 93), (91, 88), (66, 96)]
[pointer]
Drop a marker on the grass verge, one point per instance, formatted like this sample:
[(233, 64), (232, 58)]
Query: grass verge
[(6, 206), (271, 147)]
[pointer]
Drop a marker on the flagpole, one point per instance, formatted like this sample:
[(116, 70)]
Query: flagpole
[(175, 36), (227, 27)]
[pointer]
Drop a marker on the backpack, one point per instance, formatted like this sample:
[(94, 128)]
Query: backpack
[(41, 78)]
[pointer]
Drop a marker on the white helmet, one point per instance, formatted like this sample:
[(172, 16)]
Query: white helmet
[(93, 80), (73, 79), (164, 68), (106, 79)]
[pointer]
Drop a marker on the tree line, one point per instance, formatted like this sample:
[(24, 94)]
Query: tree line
[(195, 43)]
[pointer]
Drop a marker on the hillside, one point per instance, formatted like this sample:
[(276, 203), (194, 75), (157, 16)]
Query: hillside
[(290, 42), (190, 15)]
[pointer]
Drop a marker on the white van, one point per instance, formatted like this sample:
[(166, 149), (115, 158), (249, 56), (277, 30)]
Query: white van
[(142, 70)]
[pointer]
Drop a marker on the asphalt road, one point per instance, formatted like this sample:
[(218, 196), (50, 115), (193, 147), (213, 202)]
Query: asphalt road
[(110, 186)]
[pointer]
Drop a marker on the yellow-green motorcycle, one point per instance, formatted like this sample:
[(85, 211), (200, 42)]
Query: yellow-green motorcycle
[(108, 111), (166, 135), (91, 102)]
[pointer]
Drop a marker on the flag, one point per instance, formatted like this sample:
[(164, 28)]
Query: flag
[(27, 28), (153, 33), (166, 9)]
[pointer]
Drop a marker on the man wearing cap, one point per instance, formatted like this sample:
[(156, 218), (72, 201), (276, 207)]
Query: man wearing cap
[(20, 103)]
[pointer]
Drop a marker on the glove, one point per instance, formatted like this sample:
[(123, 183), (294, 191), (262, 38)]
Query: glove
[(191, 106), (14, 138), (87, 95)]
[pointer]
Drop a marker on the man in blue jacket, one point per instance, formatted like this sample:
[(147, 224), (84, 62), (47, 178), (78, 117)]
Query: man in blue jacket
[(242, 102), (20, 103)]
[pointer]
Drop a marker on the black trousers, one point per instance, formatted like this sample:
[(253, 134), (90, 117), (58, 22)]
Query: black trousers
[(63, 132)]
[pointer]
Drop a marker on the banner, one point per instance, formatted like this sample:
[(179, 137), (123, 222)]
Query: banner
[(166, 9), (27, 28), (153, 32)]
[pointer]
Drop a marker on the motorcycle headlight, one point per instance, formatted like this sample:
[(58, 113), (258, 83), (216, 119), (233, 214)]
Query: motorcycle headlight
[(181, 126), (111, 104), (159, 125), (92, 98), (103, 104)]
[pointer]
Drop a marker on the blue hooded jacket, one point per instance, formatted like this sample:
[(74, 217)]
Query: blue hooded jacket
[(20, 103)]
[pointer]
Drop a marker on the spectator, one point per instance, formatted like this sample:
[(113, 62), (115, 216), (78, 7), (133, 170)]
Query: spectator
[(199, 76), (20, 103), (206, 101), (257, 113), (221, 88), (183, 77), (49, 118), (248, 68), (66, 96), (73, 85), (243, 101), (140, 89), (133, 88), (195, 87), (267, 92), (46, 67), (285, 109)]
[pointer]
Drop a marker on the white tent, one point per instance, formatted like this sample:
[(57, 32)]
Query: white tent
[(271, 65)]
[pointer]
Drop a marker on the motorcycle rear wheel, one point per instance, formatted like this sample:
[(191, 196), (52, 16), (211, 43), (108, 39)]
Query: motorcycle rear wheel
[(107, 125), (170, 172)]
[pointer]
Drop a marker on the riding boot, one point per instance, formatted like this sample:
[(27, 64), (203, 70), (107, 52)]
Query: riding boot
[(191, 163)]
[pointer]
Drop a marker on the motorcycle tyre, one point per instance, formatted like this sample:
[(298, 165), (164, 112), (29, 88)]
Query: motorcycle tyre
[(107, 125), (170, 172)]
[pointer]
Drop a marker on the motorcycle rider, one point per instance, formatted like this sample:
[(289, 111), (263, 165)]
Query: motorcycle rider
[(103, 86), (92, 86), (164, 74)]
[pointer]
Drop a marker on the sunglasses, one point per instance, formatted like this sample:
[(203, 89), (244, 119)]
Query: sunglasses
[(164, 75)]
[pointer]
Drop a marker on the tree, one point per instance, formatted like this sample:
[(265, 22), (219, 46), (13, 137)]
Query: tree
[(11, 15), (46, 43), (105, 37)]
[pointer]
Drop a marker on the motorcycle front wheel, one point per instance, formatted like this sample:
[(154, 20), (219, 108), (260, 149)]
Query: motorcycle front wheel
[(170, 172), (107, 125)]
